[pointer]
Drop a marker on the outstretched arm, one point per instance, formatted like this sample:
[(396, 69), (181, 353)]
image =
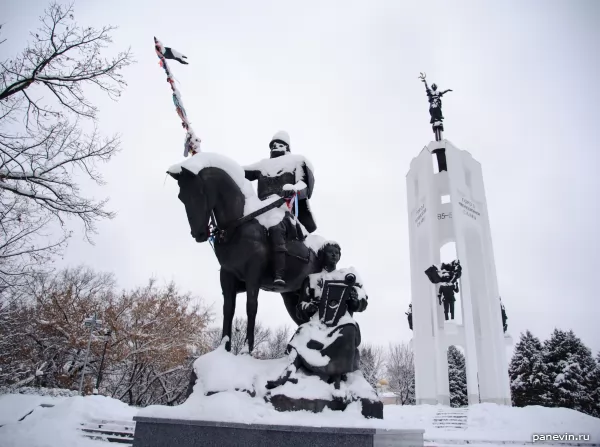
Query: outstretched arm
[(444, 92), (251, 174)]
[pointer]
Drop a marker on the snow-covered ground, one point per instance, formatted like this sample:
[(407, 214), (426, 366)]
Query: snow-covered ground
[(57, 426), (15, 406)]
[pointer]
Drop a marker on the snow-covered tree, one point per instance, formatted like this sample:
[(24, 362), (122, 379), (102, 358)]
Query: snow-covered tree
[(457, 378), (400, 372), (49, 141), (155, 334), (529, 381), (372, 362), (569, 366), (275, 347), (48, 340), (594, 387), (16, 348)]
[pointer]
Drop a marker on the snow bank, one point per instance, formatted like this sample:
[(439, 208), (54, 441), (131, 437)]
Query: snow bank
[(486, 422), (240, 407), (491, 422), (519, 423), (225, 372), (14, 406), (58, 426), (222, 371)]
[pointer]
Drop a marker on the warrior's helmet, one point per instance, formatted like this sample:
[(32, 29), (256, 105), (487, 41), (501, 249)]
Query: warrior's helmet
[(280, 144)]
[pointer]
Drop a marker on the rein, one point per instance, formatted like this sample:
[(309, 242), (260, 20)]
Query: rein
[(221, 234)]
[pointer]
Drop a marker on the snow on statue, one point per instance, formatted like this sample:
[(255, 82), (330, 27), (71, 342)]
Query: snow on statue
[(326, 346), (222, 206), (284, 175)]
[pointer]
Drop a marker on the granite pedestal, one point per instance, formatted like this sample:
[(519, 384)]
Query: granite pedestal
[(158, 432)]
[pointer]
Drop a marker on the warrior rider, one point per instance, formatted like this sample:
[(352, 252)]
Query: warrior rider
[(284, 175)]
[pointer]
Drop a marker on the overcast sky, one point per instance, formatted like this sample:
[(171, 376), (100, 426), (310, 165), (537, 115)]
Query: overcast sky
[(341, 78)]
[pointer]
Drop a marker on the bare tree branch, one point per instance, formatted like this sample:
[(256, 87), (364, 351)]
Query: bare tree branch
[(44, 150)]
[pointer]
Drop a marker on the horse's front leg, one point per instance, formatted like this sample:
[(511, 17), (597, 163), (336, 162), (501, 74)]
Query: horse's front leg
[(251, 311), (228, 287)]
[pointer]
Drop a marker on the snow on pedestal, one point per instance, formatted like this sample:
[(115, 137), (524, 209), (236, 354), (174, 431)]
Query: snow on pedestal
[(489, 424), (233, 388), (450, 206)]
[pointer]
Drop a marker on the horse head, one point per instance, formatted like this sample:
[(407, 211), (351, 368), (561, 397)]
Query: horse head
[(196, 198), (211, 190)]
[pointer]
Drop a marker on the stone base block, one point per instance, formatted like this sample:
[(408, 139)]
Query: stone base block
[(156, 432), (369, 408)]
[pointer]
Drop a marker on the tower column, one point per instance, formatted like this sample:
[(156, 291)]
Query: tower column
[(461, 218)]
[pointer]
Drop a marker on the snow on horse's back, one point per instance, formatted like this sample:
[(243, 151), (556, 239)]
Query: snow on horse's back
[(202, 160)]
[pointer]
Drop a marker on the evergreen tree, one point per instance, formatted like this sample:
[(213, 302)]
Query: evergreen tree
[(594, 389), (457, 378), (528, 379), (570, 366)]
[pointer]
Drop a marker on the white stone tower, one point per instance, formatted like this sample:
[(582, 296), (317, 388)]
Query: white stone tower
[(450, 206)]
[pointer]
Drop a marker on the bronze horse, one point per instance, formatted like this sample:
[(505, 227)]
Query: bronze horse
[(243, 253)]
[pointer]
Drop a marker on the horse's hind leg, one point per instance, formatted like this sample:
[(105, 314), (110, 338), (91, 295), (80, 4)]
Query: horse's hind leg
[(228, 287)]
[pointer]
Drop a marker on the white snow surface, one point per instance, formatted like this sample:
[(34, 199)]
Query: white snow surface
[(297, 187), (222, 370), (311, 387), (272, 167), (315, 242), (50, 427), (58, 426), (315, 330), (14, 406)]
